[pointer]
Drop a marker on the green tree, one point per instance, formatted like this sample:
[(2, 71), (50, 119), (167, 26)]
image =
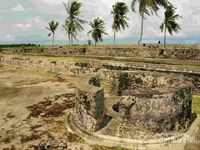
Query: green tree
[(73, 23), (52, 26), (169, 24), (98, 29), (147, 7), (119, 12)]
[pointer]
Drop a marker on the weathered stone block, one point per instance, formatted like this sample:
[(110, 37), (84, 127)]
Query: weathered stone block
[(90, 109)]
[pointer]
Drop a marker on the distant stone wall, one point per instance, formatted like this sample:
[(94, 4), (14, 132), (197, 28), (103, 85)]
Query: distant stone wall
[(142, 52)]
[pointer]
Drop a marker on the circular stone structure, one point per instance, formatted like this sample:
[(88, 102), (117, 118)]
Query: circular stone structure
[(141, 108)]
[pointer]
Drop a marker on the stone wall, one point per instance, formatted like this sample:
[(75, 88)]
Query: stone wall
[(105, 70), (89, 107), (142, 52), (157, 112)]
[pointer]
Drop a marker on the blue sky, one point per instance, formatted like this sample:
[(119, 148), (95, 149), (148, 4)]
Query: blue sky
[(24, 21)]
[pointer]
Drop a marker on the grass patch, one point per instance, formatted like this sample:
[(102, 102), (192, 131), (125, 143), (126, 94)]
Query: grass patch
[(196, 104)]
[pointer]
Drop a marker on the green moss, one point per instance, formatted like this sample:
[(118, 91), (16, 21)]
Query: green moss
[(196, 104)]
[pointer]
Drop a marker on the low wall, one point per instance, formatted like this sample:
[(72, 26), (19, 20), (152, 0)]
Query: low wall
[(142, 52)]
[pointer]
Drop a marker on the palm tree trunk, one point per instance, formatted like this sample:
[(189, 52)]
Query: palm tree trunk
[(114, 36), (53, 40), (165, 35), (71, 40), (95, 43), (68, 39), (142, 26)]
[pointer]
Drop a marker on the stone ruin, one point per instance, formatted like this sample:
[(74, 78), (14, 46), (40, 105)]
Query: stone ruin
[(89, 108), (155, 104)]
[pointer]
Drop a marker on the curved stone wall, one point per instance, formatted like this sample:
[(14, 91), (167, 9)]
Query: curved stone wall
[(158, 104)]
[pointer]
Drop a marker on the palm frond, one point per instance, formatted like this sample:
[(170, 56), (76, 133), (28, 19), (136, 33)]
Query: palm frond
[(170, 20)]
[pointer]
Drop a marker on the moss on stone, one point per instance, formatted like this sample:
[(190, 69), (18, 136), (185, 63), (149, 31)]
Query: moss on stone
[(196, 104)]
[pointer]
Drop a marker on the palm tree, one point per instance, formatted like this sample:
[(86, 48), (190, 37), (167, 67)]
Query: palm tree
[(169, 22), (147, 7), (68, 29), (73, 23), (52, 28), (120, 9), (98, 29)]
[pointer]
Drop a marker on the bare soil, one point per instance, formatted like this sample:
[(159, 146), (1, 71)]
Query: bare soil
[(32, 111)]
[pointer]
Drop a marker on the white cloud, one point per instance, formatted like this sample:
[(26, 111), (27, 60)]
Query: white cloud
[(23, 27), (17, 8), (8, 38), (53, 2), (37, 22), (30, 23)]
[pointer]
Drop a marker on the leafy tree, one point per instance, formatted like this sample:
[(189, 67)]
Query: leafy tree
[(73, 23), (120, 9), (147, 7), (169, 24), (52, 28), (98, 29)]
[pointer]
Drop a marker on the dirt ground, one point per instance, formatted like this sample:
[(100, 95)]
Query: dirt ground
[(32, 111)]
